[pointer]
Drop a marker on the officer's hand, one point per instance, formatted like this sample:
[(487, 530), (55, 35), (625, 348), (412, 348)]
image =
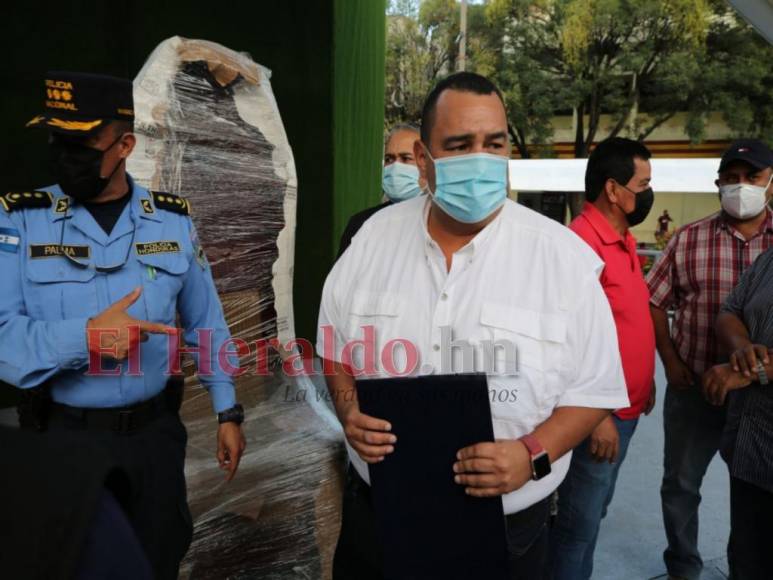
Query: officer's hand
[(369, 436), (605, 441), (230, 446), (113, 333), (492, 469)]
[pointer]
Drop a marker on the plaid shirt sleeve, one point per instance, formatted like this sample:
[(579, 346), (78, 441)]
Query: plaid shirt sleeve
[(661, 278)]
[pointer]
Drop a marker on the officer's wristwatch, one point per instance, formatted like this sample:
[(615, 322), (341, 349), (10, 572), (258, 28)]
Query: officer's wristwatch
[(762, 376), (233, 415), (540, 462)]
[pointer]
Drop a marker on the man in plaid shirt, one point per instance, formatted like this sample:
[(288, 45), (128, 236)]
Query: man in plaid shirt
[(698, 269)]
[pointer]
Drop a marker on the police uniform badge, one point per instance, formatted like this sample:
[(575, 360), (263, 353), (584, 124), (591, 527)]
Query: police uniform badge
[(198, 250), (9, 240), (62, 204), (81, 104), (201, 257)]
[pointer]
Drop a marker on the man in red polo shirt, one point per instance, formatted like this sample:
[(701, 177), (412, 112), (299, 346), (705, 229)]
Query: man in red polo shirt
[(617, 187)]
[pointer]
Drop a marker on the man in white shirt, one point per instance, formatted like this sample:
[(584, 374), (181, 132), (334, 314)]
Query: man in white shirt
[(467, 265)]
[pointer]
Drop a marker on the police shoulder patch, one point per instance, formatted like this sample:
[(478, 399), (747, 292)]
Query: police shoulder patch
[(62, 204), (9, 240), (28, 199), (171, 202)]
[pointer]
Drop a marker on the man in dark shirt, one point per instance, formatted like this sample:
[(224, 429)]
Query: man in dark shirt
[(663, 221), (400, 180), (745, 326)]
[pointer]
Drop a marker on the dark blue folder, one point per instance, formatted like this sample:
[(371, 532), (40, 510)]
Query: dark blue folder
[(430, 529)]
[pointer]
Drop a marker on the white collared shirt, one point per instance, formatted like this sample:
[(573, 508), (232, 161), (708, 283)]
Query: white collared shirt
[(524, 279)]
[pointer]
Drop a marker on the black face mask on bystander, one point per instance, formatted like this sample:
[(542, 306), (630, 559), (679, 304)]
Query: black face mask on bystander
[(644, 200), (77, 168)]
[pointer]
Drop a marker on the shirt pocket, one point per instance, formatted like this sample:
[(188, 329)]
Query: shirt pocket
[(58, 290), (537, 340), (163, 276), (535, 334), (371, 308), (378, 311)]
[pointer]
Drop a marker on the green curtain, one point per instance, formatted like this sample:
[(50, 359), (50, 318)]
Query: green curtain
[(358, 125)]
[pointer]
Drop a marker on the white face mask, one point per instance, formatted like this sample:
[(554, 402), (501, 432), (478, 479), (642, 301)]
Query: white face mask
[(743, 200)]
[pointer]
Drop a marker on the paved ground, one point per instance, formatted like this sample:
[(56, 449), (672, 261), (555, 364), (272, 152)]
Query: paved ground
[(632, 540)]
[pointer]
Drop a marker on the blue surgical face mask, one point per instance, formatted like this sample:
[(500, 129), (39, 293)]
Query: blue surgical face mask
[(400, 181), (470, 187)]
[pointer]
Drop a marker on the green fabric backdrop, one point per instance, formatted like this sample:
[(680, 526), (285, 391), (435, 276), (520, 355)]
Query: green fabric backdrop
[(358, 126)]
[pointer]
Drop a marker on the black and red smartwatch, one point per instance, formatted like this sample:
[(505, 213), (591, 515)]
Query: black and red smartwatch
[(540, 462)]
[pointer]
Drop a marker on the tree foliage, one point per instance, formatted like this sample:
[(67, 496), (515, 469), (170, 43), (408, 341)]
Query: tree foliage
[(423, 46), (596, 57), (638, 61)]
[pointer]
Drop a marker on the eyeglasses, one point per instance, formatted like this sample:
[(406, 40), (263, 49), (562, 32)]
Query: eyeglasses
[(102, 269)]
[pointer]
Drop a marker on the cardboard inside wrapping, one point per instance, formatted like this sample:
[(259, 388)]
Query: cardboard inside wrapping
[(223, 63), (279, 518)]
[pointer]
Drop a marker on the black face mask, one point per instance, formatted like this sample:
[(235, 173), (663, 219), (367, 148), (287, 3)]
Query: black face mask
[(76, 168), (644, 200)]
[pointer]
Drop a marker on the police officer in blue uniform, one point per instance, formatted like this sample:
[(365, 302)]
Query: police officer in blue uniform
[(96, 270)]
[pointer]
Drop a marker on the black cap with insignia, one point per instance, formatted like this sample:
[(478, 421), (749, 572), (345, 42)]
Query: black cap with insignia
[(753, 151), (81, 103)]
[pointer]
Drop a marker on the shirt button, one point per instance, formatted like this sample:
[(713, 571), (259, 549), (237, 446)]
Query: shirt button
[(444, 296), (436, 347)]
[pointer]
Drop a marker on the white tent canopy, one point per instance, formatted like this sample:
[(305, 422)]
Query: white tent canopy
[(566, 175)]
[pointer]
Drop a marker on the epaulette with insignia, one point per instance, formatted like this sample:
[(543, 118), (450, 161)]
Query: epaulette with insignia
[(171, 202), (23, 200)]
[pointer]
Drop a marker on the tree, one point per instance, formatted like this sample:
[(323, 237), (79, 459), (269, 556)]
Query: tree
[(422, 47), (594, 56), (407, 66), (736, 78), (639, 61), (619, 67), (409, 8)]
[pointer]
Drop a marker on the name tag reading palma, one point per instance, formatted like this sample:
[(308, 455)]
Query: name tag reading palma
[(144, 249), (54, 250)]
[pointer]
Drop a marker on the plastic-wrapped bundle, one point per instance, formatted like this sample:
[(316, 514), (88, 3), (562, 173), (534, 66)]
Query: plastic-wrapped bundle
[(209, 129)]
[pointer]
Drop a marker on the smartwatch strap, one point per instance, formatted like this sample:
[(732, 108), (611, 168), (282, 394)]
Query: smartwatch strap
[(532, 444)]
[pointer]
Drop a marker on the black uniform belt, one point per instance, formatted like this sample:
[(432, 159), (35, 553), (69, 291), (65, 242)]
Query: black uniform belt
[(120, 419)]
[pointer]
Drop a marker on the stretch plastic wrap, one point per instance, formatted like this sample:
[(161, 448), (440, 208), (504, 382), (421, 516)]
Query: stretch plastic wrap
[(209, 129)]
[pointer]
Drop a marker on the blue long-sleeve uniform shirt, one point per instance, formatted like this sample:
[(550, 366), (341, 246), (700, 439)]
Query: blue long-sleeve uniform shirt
[(46, 300)]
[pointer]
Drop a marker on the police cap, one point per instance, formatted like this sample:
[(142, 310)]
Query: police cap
[(81, 103)]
